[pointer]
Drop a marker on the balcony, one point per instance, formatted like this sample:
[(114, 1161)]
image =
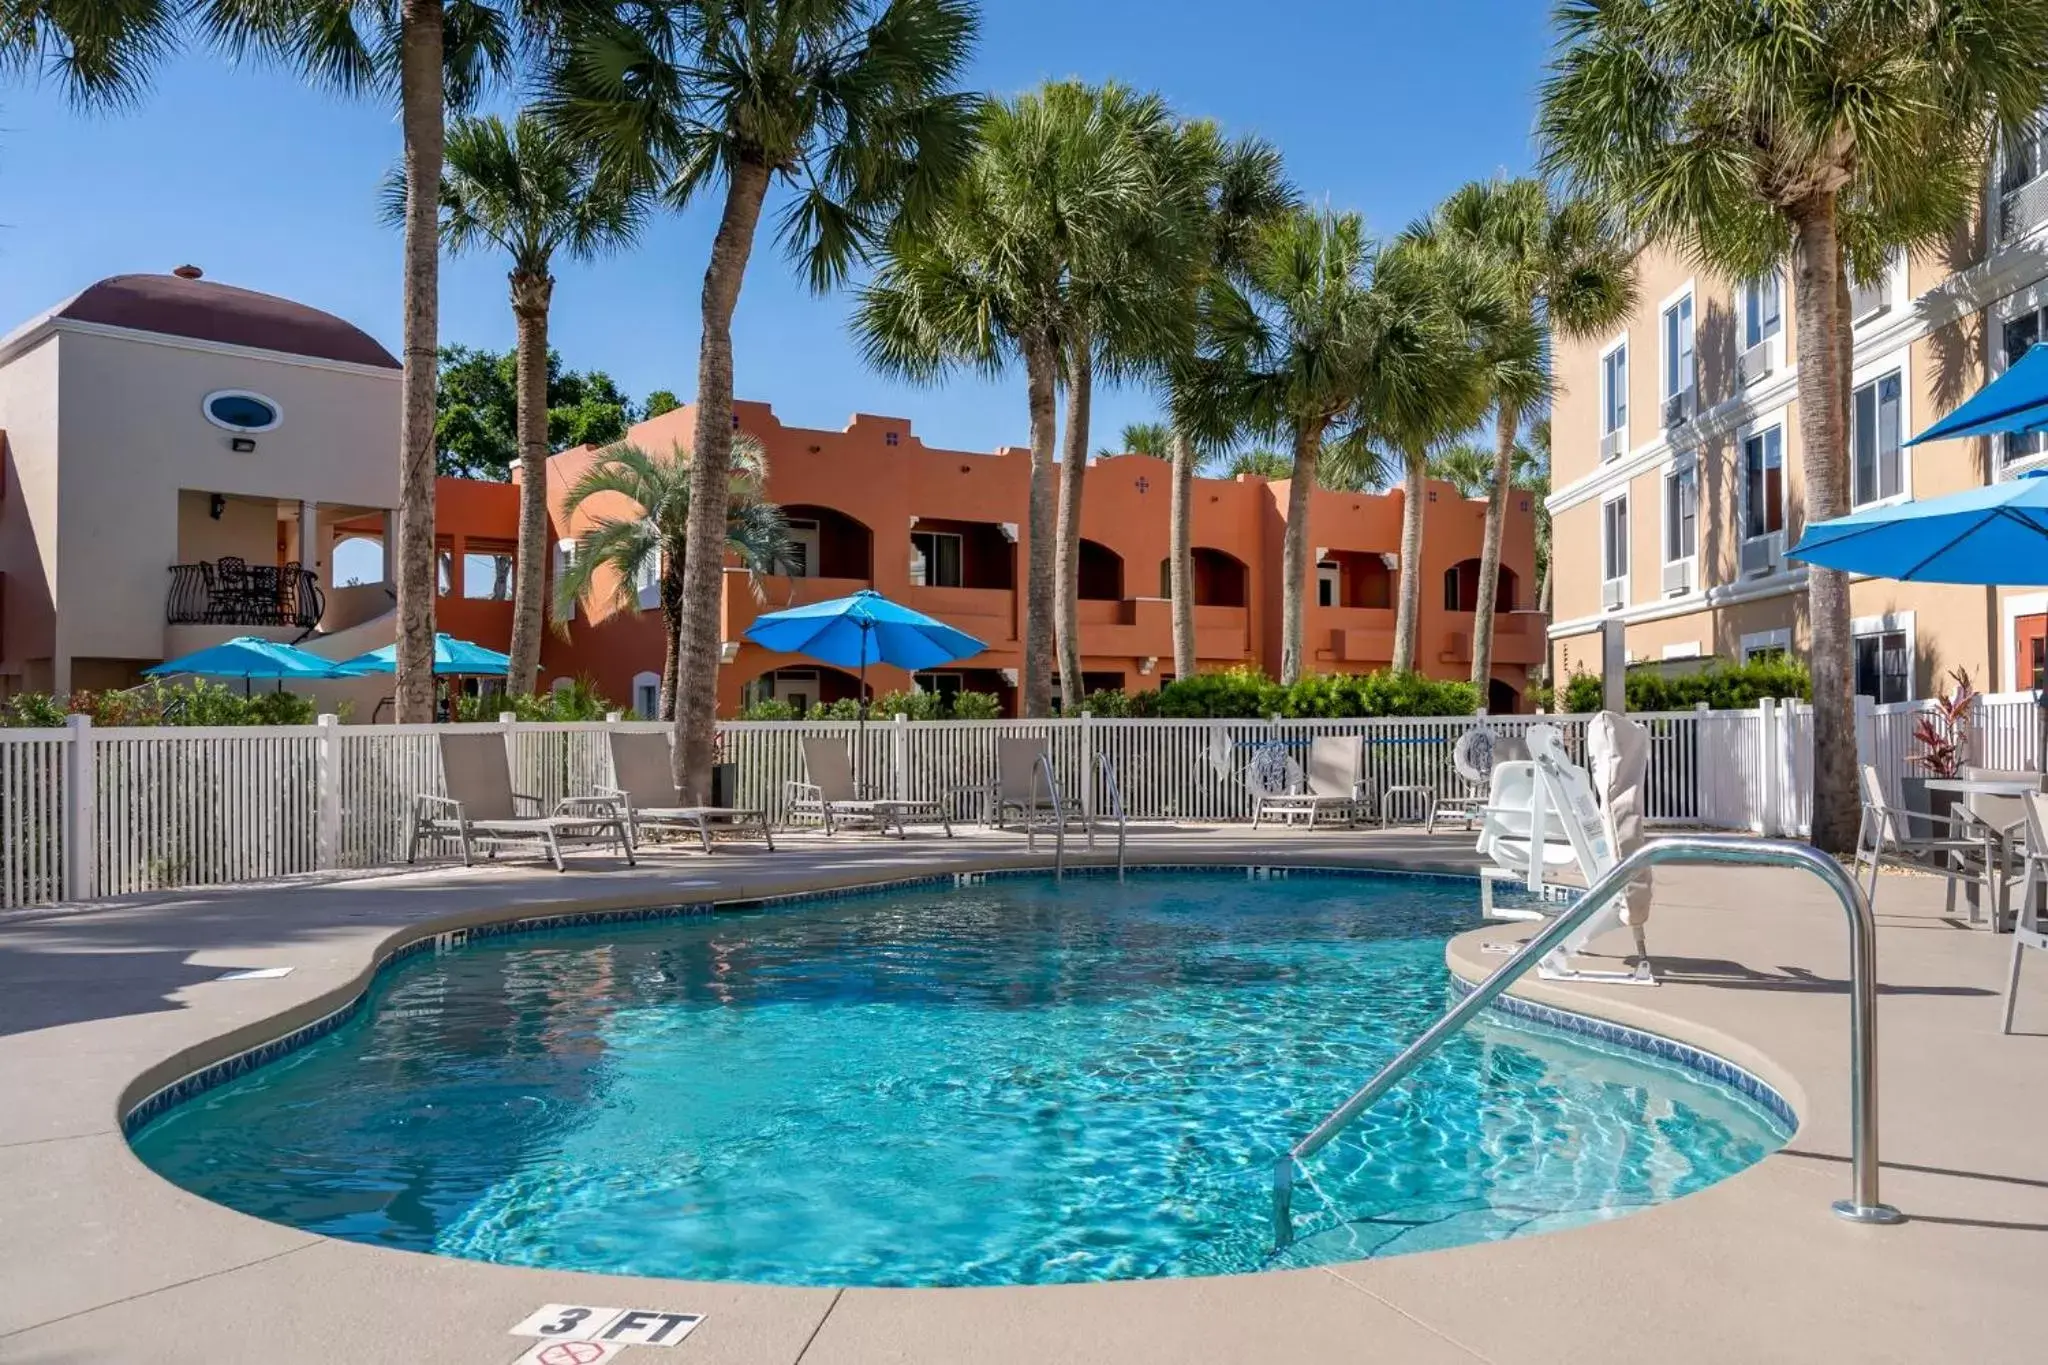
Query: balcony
[(1357, 635), (1519, 637), (232, 592), (988, 614), (740, 604)]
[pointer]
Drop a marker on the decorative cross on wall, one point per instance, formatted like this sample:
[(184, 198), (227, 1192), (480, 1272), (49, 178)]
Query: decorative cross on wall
[(1143, 483)]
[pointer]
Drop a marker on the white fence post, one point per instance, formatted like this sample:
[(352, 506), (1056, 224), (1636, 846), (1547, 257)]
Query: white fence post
[(1769, 769), (1087, 767), (901, 741), (328, 775), (81, 842)]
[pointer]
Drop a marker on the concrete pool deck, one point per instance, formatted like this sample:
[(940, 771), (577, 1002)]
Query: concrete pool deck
[(106, 1262)]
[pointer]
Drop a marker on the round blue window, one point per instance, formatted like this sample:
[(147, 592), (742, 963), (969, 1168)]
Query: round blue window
[(238, 411)]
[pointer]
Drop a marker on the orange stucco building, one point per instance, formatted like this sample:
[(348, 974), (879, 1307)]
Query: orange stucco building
[(947, 532)]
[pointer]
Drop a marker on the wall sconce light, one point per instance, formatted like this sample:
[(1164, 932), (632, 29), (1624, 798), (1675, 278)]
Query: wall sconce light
[(242, 445), (1147, 664), (728, 650), (216, 506)]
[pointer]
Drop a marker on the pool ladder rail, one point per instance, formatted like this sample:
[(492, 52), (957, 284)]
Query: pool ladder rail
[(1041, 771), (1863, 1205)]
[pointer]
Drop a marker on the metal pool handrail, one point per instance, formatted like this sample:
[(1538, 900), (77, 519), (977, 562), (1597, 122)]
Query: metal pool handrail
[(1116, 809), (1043, 768), (1863, 1205)]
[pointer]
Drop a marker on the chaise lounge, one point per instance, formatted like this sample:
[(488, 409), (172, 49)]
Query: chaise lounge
[(482, 810)]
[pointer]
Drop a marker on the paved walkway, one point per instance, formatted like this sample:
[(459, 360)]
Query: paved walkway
[(105, 1262)]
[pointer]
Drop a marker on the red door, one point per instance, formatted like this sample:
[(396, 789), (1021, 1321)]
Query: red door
[(2030, 648)]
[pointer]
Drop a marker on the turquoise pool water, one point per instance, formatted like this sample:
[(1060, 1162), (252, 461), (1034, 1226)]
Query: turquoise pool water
[(1007, 1083)]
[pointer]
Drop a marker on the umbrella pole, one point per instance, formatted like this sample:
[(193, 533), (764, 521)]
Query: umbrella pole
[(860, 742)]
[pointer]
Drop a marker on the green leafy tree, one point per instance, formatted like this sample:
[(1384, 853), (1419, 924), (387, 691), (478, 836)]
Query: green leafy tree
[(1563, 268), (527, 191), (850, 104), (660, 401), (477, 428), (1829, 131), (646, 535)]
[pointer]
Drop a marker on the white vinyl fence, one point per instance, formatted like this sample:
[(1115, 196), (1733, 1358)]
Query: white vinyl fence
[(88, 812)]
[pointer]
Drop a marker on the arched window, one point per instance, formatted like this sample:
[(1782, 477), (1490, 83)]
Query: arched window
[(647, 695)]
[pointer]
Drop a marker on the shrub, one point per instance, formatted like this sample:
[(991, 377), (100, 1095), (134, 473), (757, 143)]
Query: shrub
[(1723, 687), (916, 705), (846, 708), (976, 706), (197, 702), (1111, 703), (1243, 694), (770, 709), (1236, 693), (580, 700)]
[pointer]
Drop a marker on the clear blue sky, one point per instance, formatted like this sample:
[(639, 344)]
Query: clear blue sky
[(1381, 106)]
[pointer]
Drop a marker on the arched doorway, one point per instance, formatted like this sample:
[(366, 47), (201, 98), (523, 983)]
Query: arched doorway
[(1221, 578), (827, 543), (1501, 699), (1101, 573), (1461, 587)]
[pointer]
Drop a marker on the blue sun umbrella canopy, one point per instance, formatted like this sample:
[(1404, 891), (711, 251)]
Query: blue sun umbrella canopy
[(866, 628), (452, 658), (1996, 535), (2016, 401), (248, 657)]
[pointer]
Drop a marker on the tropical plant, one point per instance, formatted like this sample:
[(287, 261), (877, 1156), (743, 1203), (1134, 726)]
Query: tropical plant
[(430, 55), (1142, 438), (1829, 131), (850, 103), (1561, 268), (1259, 462), (528, 191), (646, 538), (1944, 734), (990, 278)]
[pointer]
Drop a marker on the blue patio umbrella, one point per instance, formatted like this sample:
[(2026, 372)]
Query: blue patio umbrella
[(247, 657), (2016, 401), (1997, 534), (452, 658)]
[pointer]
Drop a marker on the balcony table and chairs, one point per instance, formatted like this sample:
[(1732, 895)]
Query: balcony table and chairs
[(230, 591)]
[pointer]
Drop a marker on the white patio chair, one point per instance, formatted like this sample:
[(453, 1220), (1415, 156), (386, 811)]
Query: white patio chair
[(829, 795), (1886, 839), (1333, 787), (643, 783), (482, 810), (2030, 928), (1023, 786)]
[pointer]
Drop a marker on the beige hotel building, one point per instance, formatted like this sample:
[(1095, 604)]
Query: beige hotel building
[(1676, 468)]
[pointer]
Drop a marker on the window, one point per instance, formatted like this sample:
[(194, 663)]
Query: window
[(1874, 440), (1681, 511), (647, 581), (1762, 310), (486, 576), (946, 685), (240, 410), (935, 559), (803, 547), (1329, 584), (1614, 539), (1766, 644), (444, 571), (647, 695), (565, 560), (2020, 333), (1678, 348), (1763, 483), (1884, 657), (1614, 390), (2026, 157)]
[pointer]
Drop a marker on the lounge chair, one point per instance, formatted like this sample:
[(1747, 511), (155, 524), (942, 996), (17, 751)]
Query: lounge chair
[(644, 786), (1021, 785), (2030, 928), (481, 809), (1333, 788), (829, 796)]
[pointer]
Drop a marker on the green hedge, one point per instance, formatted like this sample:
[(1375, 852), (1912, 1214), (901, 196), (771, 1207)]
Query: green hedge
[(579, 701), (915, 705), (197, 702), (1723, 687), (1243, 694)]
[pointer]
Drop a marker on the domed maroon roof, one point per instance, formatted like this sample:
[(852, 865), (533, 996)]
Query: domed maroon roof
[(184, 307)]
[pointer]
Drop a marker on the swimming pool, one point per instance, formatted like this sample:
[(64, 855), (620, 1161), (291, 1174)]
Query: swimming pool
[(1012, 1082)]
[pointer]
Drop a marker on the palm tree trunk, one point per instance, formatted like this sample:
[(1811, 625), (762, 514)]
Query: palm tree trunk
[(1067, 554), (671, 639), (1181, 573), (1489, 554), (420, 115), (1040, 372), (1295, 549), (1408, 616), (710, 465), (531, 294), (1820, 293)]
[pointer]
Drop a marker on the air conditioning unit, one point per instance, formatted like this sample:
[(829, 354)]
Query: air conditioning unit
[(1610, 446), (1867, 301), (1755, 363), (1678, 577), (1761, 556), (1611, 593), (1678, 408)]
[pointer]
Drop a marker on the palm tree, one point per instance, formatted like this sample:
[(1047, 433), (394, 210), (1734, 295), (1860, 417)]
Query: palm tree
[(989, 279), (1565, 270), (849, 103), (1832, 131), (652, 540), (432, 54), (1260, 462), (1469, 467), (1142, 438), (530, 192)]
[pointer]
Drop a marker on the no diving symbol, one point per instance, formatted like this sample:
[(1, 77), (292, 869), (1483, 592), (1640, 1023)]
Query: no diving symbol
[(571, 1353)]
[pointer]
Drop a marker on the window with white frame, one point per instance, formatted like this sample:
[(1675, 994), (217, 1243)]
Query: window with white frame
[(1682, 511), (1614, 390), (2018, 334), (1766, 644), (2023, 181), (1763, 310), (1763, 483), (1678, 359), (1877, 464), (647, 695), (1884, 657), (1614, 550), (1869, 302), (1329, 584), (935, 559)]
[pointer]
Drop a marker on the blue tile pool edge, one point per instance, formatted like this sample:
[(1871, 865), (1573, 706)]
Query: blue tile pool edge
[(193, 1084)]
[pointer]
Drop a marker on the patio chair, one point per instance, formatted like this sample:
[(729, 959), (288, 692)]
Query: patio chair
[(1021, 785), (2001, 821), (1886, 838), (1333, 787), (2030, 929), (645, 788), (482, 810), (829, 796)]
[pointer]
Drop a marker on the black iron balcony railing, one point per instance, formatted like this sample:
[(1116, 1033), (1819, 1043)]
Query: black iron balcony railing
[(231, 592)]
